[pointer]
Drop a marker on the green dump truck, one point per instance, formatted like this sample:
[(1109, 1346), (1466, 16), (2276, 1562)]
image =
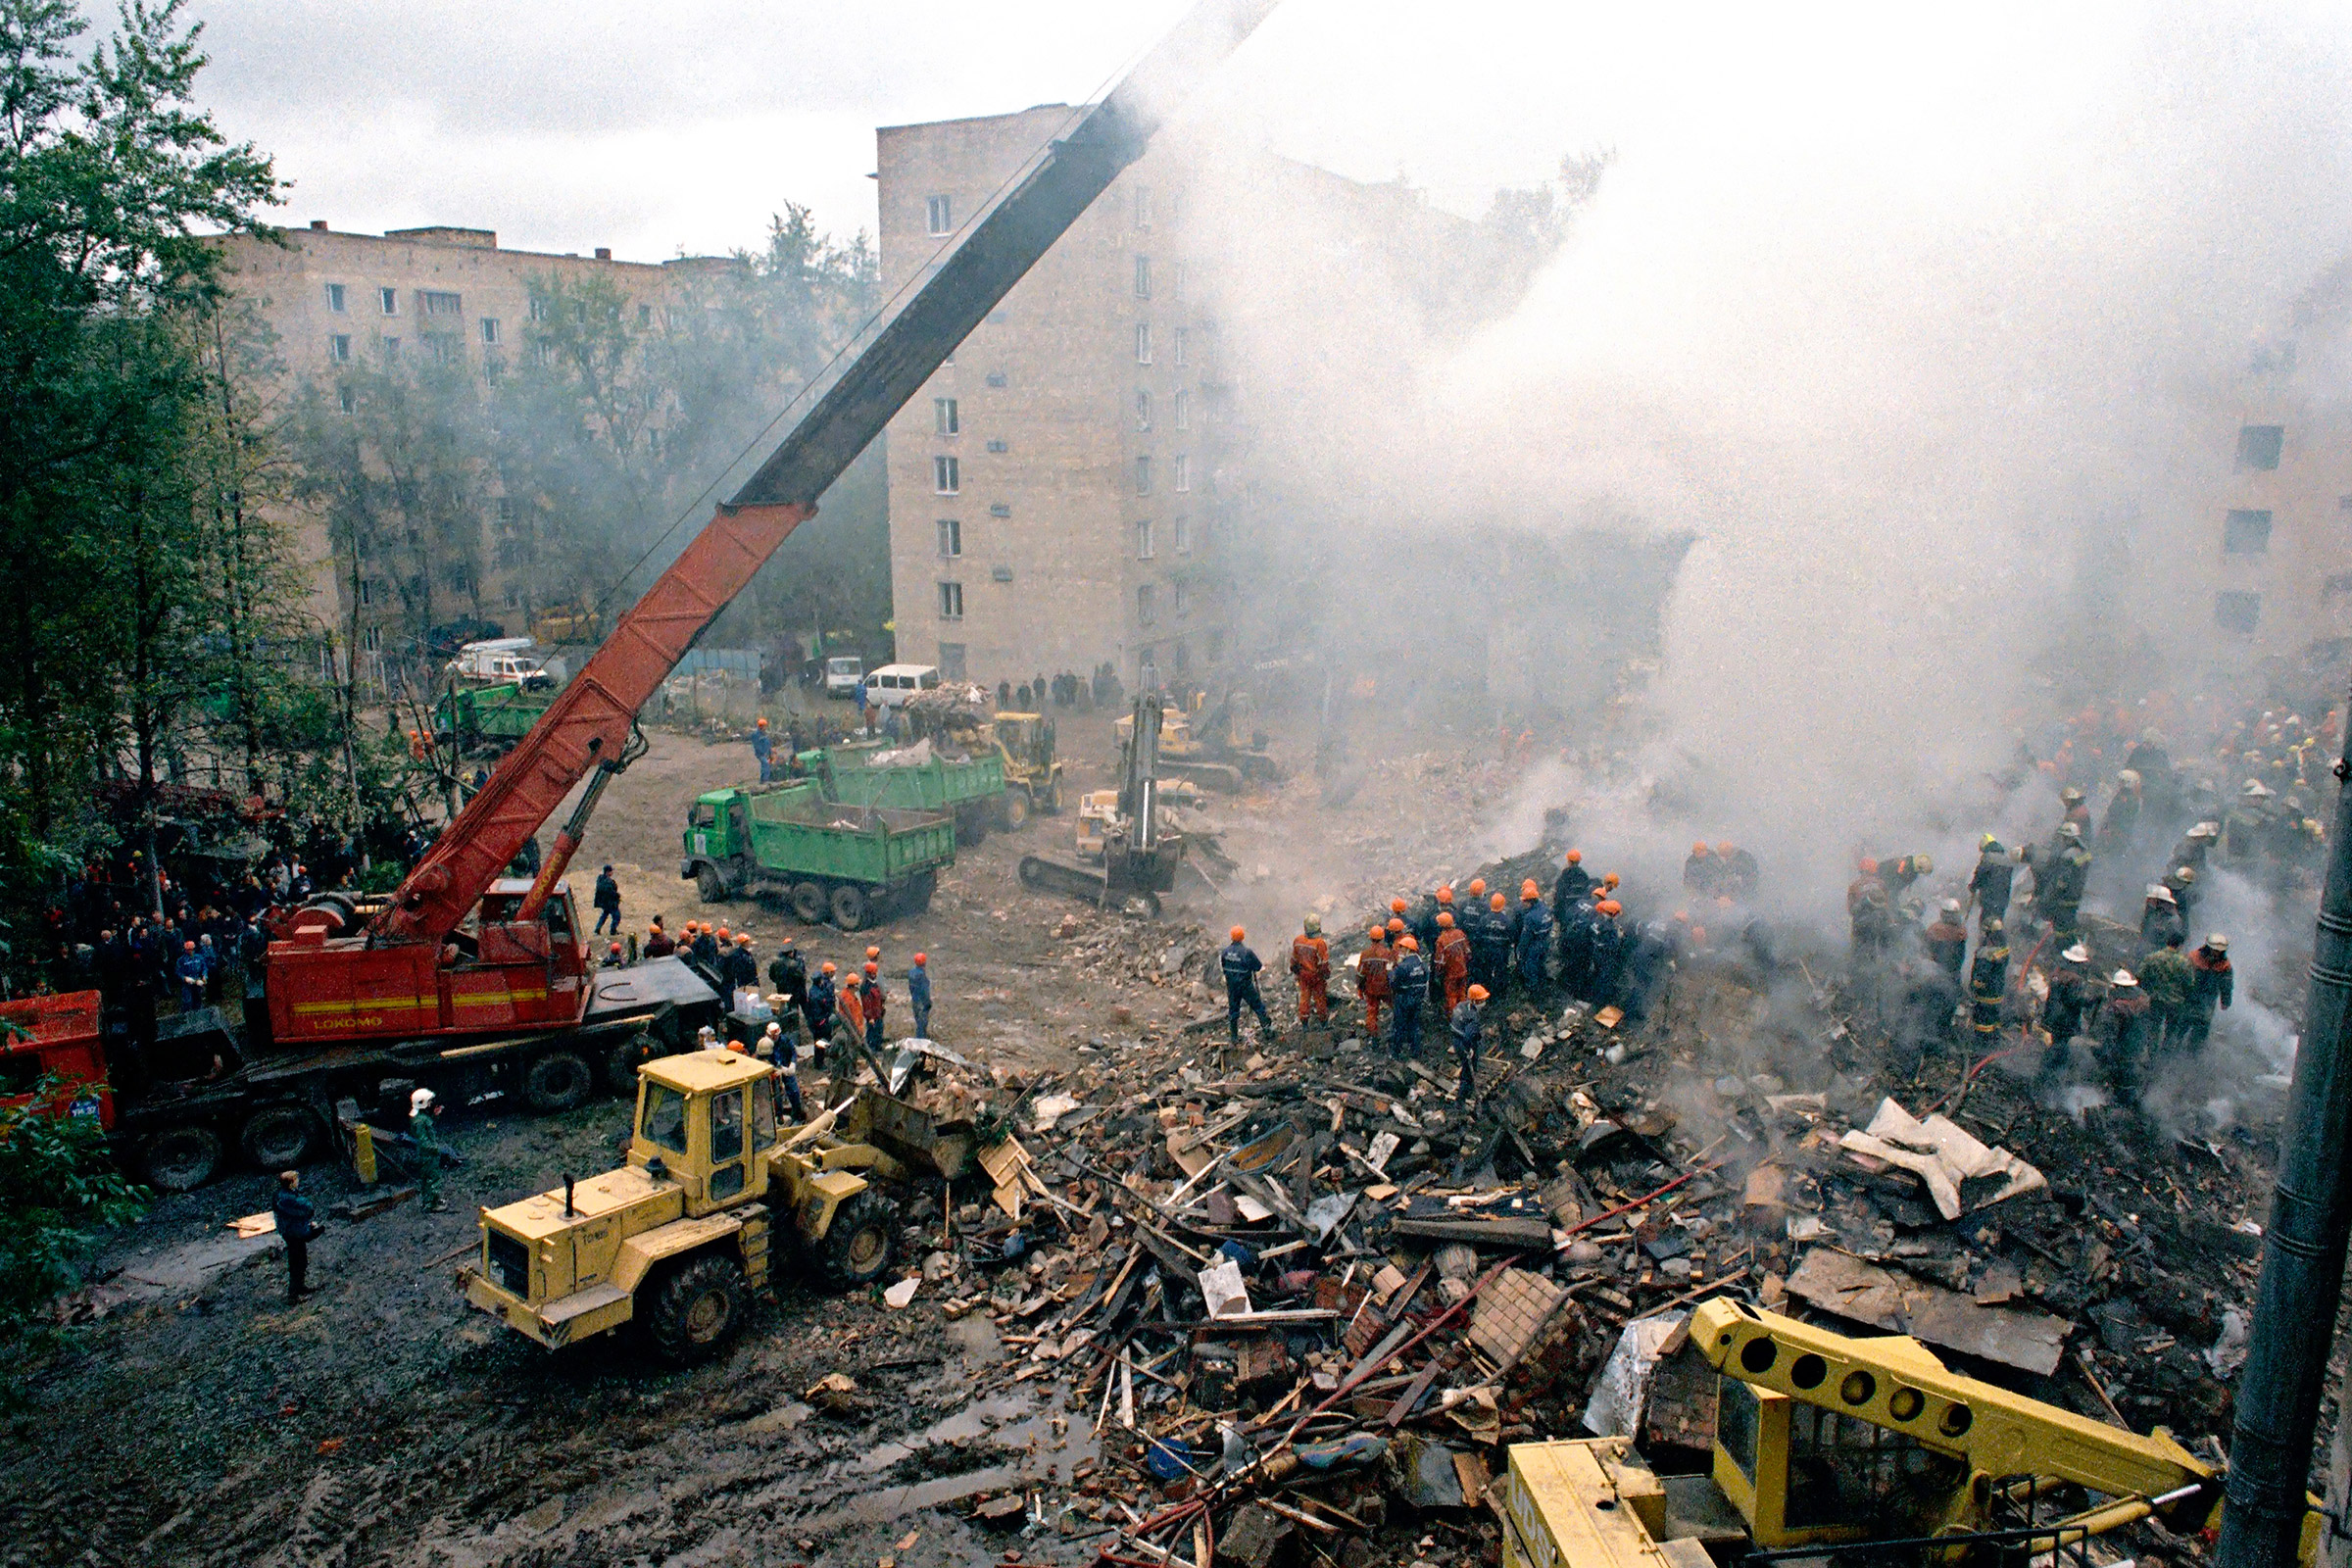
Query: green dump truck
[(492, 719), (916, 778), (834, 861)]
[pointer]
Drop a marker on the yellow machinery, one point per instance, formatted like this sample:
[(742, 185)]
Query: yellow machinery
[(678, 1237), (1823, 1440), (1032, 772)]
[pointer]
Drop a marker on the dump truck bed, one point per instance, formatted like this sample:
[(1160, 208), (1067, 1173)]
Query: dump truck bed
[(800, 831), (942, 784)]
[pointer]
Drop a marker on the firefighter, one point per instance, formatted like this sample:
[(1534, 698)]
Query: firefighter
[(1372, 977), (1741, 874), (1452, 961), (1897, 875), (2121, 1030), (2078, 808), (1572, 883), (2212, 984), (1491, 944), (1948, 938), (1409, 989), (1988, 885), (1241, 967), (1534, 934), (2066, 1010), (1463, 1020), (2059, 883), (1701, 871), (1310, 966), (424, 1110), (1988, 984), (1870, 919), (2160, 919), (2122, 821), (1607, 945), (2167, 981)]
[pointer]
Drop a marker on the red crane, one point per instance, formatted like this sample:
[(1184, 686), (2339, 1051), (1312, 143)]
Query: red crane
[(414, 970)]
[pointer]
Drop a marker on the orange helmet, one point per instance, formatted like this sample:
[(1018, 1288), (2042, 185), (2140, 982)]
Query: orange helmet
[(922, 959), (1377, 932), (826, 967), (1575, 857), (722, 933), (1699, 852), (1478, 887), (1610, 906), (872, 969), (1724, 849), (1494, 902), (1444, 921), (1476, 993), (1237, 933), (1529, 890), (1870, 867), (1395, 906), (1407, 944), (759, 723), (1446, 894), (1609, 881), (1395, 928), (873, 953)]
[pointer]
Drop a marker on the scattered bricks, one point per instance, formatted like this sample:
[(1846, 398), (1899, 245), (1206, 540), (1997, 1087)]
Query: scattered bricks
[(1511, 1312), (1263, 1366), (1255, 1538)]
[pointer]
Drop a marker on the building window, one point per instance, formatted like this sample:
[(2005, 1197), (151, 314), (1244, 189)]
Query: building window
[(1184, 470), (1143, 207), (1147, 605), (335, 298), (997, 446), (951, 536), (489, 331), (947, 479), (338, 349), (1184, 338), (1143, 277), (1179, 601), (950, 601), (367, 592), (1143, 476), (645, 315), (2246, 533), (951, 662), (1143, 541), (2259, 445), (1175, 209), (1184, 409), (543, 353), (391, 351), (941, 215), (996, 379), (1143, 342), (943, 417), (388, 301), (438, 303), (373, 639), (1142, 409), (1184, 536), (2238, 613), (1180, 281), (538, 309), (346, 400)]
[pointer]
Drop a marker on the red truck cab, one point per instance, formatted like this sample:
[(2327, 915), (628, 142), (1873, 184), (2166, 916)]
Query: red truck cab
[(56, 1037)]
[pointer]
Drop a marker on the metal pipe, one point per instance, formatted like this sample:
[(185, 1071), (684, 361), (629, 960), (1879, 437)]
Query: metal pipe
[(2286, 1373)]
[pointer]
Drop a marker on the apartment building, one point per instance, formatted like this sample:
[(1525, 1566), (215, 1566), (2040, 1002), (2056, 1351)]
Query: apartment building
[(1053, 490), (339, 300)]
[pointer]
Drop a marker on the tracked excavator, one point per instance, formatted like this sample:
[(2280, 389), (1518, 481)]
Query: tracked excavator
[(1137, 854)]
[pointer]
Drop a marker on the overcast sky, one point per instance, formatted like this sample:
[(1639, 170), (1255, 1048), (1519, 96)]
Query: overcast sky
[(656, 129)]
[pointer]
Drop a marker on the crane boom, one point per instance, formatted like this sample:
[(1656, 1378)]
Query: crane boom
[(587, 727)]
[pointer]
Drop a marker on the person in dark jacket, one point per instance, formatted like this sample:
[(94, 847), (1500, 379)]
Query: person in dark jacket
[(1240, 966), (739, 966), (1989, 884), (2066, 1010), (872, 1002), (1535, 936), (818, 1005), (1606, 944), (608, 902), (1408, 993), (788, 974), (919, 994), (1466, 1030), (2160, 920), (2212, 985), (1988, 984), (1572, 883), (1647, 967), (297, 1224), (1947, 939), (2122, 1031), (705, 946)]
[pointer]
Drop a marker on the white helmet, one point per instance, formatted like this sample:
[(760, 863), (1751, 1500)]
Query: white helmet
[(2078, 954), (418, 1100), (774, 1029)]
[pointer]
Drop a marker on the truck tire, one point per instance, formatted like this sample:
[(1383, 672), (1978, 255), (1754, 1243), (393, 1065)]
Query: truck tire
[(623, 1061), (809, 903), (278, 1138), (696, 1308), (971, 826), (557, 1081), (1013, 813), (181, 1159), (856, 1246), (710, 884), (920, 891), (853, 910)]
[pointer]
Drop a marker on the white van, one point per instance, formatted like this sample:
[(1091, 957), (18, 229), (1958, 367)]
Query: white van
[(892, 684), (842, 675), (502, 659)]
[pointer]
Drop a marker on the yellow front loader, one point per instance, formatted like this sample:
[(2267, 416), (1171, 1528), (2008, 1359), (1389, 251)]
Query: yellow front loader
[(678, 1237)]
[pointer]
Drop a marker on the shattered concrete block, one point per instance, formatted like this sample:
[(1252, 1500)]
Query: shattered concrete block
[(1512, 1311), (1255, 1537)]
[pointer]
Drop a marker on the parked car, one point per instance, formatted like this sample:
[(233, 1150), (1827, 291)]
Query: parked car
[(892, 684)]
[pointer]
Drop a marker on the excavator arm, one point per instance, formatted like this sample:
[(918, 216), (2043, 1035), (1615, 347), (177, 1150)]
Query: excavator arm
[(587, 728)]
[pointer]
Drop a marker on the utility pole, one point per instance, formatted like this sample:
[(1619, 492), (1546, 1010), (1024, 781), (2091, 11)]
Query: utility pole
[(2285, 1374)]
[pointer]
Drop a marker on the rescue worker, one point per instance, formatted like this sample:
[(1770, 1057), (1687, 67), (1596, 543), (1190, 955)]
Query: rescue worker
[(1988, 885), (2066, 1010), (1463, 1020), (1647, 967), (425, 1136), (297, 1226), (1988, 984), (2078, 808), (1241, 969), (1492, 941), (2166, 980), (2182, 880), (1572, 883), (763, 749), (2121, 825), (2196, 846), (1452, 961), (659, 943), (2245, 828), (1701, 871), (1372, 977), (1869, 916), (607, 902), (1896, 876), (1535, 935), (873, 1003), (818, 1005), (706, 946), (919, 994), (849, 1029), (1576, 943), (1608, 946), (1310, 967), (2212, 984), (190, 970), (1409, 989), (1948, 938), (2160, 919), (1741, 874), (784, 1051), (788, 974), (2120, 1030), (2058, 886), (742, 967), (614, 959)]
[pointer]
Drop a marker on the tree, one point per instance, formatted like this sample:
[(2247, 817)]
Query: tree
[(58, 1188)]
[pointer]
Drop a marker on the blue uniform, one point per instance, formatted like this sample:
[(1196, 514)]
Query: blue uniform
[(1535, 942), (1240, 966), (1409, 984), (1466, 1030), (763, 747), (919, 998)]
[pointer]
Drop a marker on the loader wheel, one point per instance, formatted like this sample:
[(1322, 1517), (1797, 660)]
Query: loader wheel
[(696, 1308), (623, 1061), (278, 1138), (809, 903), (1014, 813), (557, 1081), (1033, 871), (181, 1159), (851, 909), (855, 1248), (710, 884)]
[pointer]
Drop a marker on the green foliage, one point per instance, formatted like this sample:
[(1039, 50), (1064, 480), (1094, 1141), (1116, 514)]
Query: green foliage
[(58, 1191)]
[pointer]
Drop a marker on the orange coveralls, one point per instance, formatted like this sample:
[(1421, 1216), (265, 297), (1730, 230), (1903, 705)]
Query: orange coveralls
[(1454, 966), (1372, 983), (1310, 966)]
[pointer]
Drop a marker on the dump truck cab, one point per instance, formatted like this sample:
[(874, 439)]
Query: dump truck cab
[(678, 1237)]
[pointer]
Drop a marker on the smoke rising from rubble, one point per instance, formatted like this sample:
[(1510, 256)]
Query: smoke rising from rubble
[(1928, 338)]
